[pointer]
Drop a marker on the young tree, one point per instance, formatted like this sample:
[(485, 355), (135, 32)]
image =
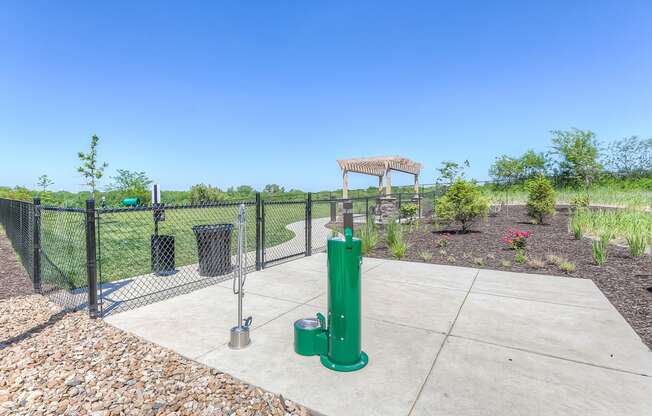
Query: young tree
[(451, 171), (44, 182), (630, 156), (463, 203), (128, 181), (506, 170), (273, 188), (533, 164), (91, 169), (578, 153), (540, 198), (201, 194)]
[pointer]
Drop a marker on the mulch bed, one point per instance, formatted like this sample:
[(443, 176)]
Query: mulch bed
[(625, 281), (14, 281)]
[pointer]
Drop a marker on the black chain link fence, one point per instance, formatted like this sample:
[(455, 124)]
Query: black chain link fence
[(147, 254), (114, 259), (17, 219)]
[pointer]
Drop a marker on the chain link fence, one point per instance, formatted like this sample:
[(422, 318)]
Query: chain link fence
[(17, 219), (114, 259)]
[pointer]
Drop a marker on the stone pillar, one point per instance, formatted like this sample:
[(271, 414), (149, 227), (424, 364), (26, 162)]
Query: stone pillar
[(386, 209)]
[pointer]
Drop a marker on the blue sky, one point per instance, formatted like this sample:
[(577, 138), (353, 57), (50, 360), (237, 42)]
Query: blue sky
[(245, 92)]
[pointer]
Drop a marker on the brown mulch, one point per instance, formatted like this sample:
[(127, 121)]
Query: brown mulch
[(14, 281), (625, 281)]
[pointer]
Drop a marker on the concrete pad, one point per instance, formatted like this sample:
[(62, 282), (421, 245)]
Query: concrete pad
[(596, 336), (477, 379), (399, 360), (432, 308), (197, 322), (424, 274), (293, 286), (554, 289)]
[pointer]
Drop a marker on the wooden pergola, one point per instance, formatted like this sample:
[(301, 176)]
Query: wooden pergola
[(381, 167)]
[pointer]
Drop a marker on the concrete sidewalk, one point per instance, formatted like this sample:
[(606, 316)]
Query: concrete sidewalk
[(441, 340)]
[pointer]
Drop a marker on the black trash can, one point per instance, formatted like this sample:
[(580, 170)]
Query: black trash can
[(214, 248), (163, 254)]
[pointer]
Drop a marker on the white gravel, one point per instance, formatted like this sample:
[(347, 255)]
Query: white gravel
[(68, 364)]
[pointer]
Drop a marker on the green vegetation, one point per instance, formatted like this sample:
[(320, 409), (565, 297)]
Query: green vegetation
[(409, 211), (397, 244), (463, 202), (599, 249), (91, 169), (540, 199), (520, 257), (369, 236), (567, 266)]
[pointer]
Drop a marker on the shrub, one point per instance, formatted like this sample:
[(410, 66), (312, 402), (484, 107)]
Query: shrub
[(479, 261), (391, 231), (409, 211), (536, 263), (580, 201), (576, 228), (599, 248), (425, 256), (519, 256), (636, 243), (554, 260), (451, 259), (443, 253), (462, 203), (566, 266), (443, 241), (516, 240), (540, 198), (369, 237), (505, 263), (398, 246)]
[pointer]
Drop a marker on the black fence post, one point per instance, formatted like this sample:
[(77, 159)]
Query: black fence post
[(309, 224), (399, 206), (366, 209), (262, 235), (36, 245), (259, 221), (91, 259)]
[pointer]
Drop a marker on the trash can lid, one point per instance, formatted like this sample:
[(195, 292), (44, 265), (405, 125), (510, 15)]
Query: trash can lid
[(209, 228)]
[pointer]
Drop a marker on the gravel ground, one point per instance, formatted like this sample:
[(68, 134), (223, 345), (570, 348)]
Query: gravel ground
[(14, 280), (625, 281), (53, 363)]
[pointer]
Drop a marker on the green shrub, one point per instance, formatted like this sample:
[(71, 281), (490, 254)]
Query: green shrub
[(576, 228), (398, 247), (425, 256), (536, 263), (409, 211), (391, 231), (462, 202), (540, 198), (566, 266), (368, 236), (599, 248), (580, 201), (520, 257), (554, 259), (636, 242)]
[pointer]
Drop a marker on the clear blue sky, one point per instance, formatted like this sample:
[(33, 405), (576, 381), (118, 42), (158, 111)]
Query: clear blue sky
[(244, 92)]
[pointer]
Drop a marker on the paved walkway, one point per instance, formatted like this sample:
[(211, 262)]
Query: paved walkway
[(441, 340)]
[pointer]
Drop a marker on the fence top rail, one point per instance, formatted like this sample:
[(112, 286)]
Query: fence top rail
[(176, 206), (16, 200), (64, 209)]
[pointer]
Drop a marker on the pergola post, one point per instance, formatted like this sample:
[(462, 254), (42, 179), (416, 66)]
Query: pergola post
[(388, 182), (416, 184), (380, 184), (345, 184)]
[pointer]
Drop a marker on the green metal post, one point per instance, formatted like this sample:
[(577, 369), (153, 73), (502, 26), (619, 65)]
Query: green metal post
[(344, 298)]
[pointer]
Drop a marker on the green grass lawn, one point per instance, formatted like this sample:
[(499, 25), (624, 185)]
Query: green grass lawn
[(124, 238)]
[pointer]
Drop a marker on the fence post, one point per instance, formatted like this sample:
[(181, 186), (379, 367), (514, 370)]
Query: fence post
[(91, 258), (366, 210), (259, 221), (309, 224), (262, 234), (399, 206), (36, 245)]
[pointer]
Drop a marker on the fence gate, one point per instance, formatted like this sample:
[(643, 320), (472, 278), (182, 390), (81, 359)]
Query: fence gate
[(285, 230)]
